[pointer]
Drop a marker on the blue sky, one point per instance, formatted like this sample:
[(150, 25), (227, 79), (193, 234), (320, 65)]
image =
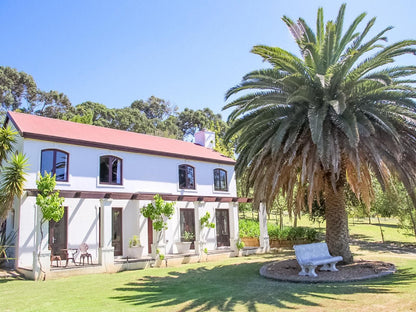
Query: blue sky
[(187, 52)]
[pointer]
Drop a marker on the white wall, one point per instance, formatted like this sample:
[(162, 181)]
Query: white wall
[(141, 172)]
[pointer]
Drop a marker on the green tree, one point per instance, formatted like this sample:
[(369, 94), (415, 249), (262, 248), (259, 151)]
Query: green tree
[(314, 123), (12, 171), (155, 108), (18, 91), (52, 104), (51, 205), (190, 121)]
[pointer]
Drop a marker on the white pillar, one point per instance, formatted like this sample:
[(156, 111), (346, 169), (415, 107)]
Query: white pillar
[(200, 235), (41, 253), (234, 236), (106, 250), (264, 235)]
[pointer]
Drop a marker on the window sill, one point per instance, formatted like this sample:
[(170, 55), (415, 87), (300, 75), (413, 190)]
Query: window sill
[(187, 190), (220, 192), (110, 186)]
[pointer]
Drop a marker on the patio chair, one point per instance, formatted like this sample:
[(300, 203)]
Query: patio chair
[(56, 258), (84, 254)]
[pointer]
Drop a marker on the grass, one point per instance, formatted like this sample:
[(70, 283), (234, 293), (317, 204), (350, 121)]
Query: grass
[(230, 285)]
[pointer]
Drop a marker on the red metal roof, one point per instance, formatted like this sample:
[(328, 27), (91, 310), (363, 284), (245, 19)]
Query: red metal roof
[(56, 130)]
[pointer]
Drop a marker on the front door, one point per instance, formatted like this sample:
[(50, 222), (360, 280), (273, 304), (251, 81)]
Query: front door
[(223, 227), (58, 235), (117, 231), (187, 224)]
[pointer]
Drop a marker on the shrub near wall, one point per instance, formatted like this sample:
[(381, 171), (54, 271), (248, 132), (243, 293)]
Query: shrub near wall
[(289, 236), (249, 232)]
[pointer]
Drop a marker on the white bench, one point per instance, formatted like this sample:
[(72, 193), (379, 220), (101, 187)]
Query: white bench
[(309, 256)]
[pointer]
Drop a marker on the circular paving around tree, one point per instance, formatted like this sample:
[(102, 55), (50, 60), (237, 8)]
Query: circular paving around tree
[(288, 271)]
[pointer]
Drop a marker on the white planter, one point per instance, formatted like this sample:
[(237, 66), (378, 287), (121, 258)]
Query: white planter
[(183, 247), (135, 252)]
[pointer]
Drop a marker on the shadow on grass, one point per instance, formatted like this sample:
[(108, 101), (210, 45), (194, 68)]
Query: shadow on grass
[(226, 287), (365, 243)]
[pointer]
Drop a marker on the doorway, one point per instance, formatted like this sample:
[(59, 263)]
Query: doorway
[(223, 227), (187, 221), (117, 231), (58, 235)]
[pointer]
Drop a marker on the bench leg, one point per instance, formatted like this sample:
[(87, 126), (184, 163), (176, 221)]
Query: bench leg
[(303, 272), (308, 270), (329, 267)]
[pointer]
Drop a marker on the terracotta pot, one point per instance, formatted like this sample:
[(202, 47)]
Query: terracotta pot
[(250, 241)]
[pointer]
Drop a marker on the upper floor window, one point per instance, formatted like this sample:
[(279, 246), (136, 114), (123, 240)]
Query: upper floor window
[(220, 180), (186, 177), (110, 170), (55, 162)]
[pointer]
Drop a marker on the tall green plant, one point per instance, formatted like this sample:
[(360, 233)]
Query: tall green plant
[(159, 212), (49, 201), (51, 205)]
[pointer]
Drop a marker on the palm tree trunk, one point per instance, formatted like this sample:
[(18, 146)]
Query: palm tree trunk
[(337, 233)]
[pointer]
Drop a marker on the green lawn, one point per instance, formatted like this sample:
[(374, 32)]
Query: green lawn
[(231, 285)]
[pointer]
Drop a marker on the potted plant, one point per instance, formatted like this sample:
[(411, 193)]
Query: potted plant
[(159, 212), (240, 245), (135, 249), (185, 244)]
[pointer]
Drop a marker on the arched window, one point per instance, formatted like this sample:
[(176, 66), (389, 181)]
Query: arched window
[(186, 177), (111, 168), (220, 180), (55, 162)]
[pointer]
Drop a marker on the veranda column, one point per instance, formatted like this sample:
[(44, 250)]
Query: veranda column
[(200, 239), (264, 235), (106, 250), (234, 237)]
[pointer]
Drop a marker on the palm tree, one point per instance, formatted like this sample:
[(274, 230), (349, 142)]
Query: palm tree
[(7, 139), (13, 179), (12, 174), (340, 114)]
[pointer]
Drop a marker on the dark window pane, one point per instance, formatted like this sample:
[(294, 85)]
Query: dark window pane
[(46, 162), (220, 180), (110, 170), (55, 162), (191, 182), (186, 177), (61, 166), (182, 177), (116, 171), (104, 170)]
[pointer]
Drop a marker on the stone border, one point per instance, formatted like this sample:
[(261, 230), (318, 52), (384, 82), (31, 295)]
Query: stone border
[(287, 271)]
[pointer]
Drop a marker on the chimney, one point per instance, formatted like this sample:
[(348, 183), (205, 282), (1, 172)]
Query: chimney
[(205, 138)]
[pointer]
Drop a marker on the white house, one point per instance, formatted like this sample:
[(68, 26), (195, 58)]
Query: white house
[(106, 177)]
